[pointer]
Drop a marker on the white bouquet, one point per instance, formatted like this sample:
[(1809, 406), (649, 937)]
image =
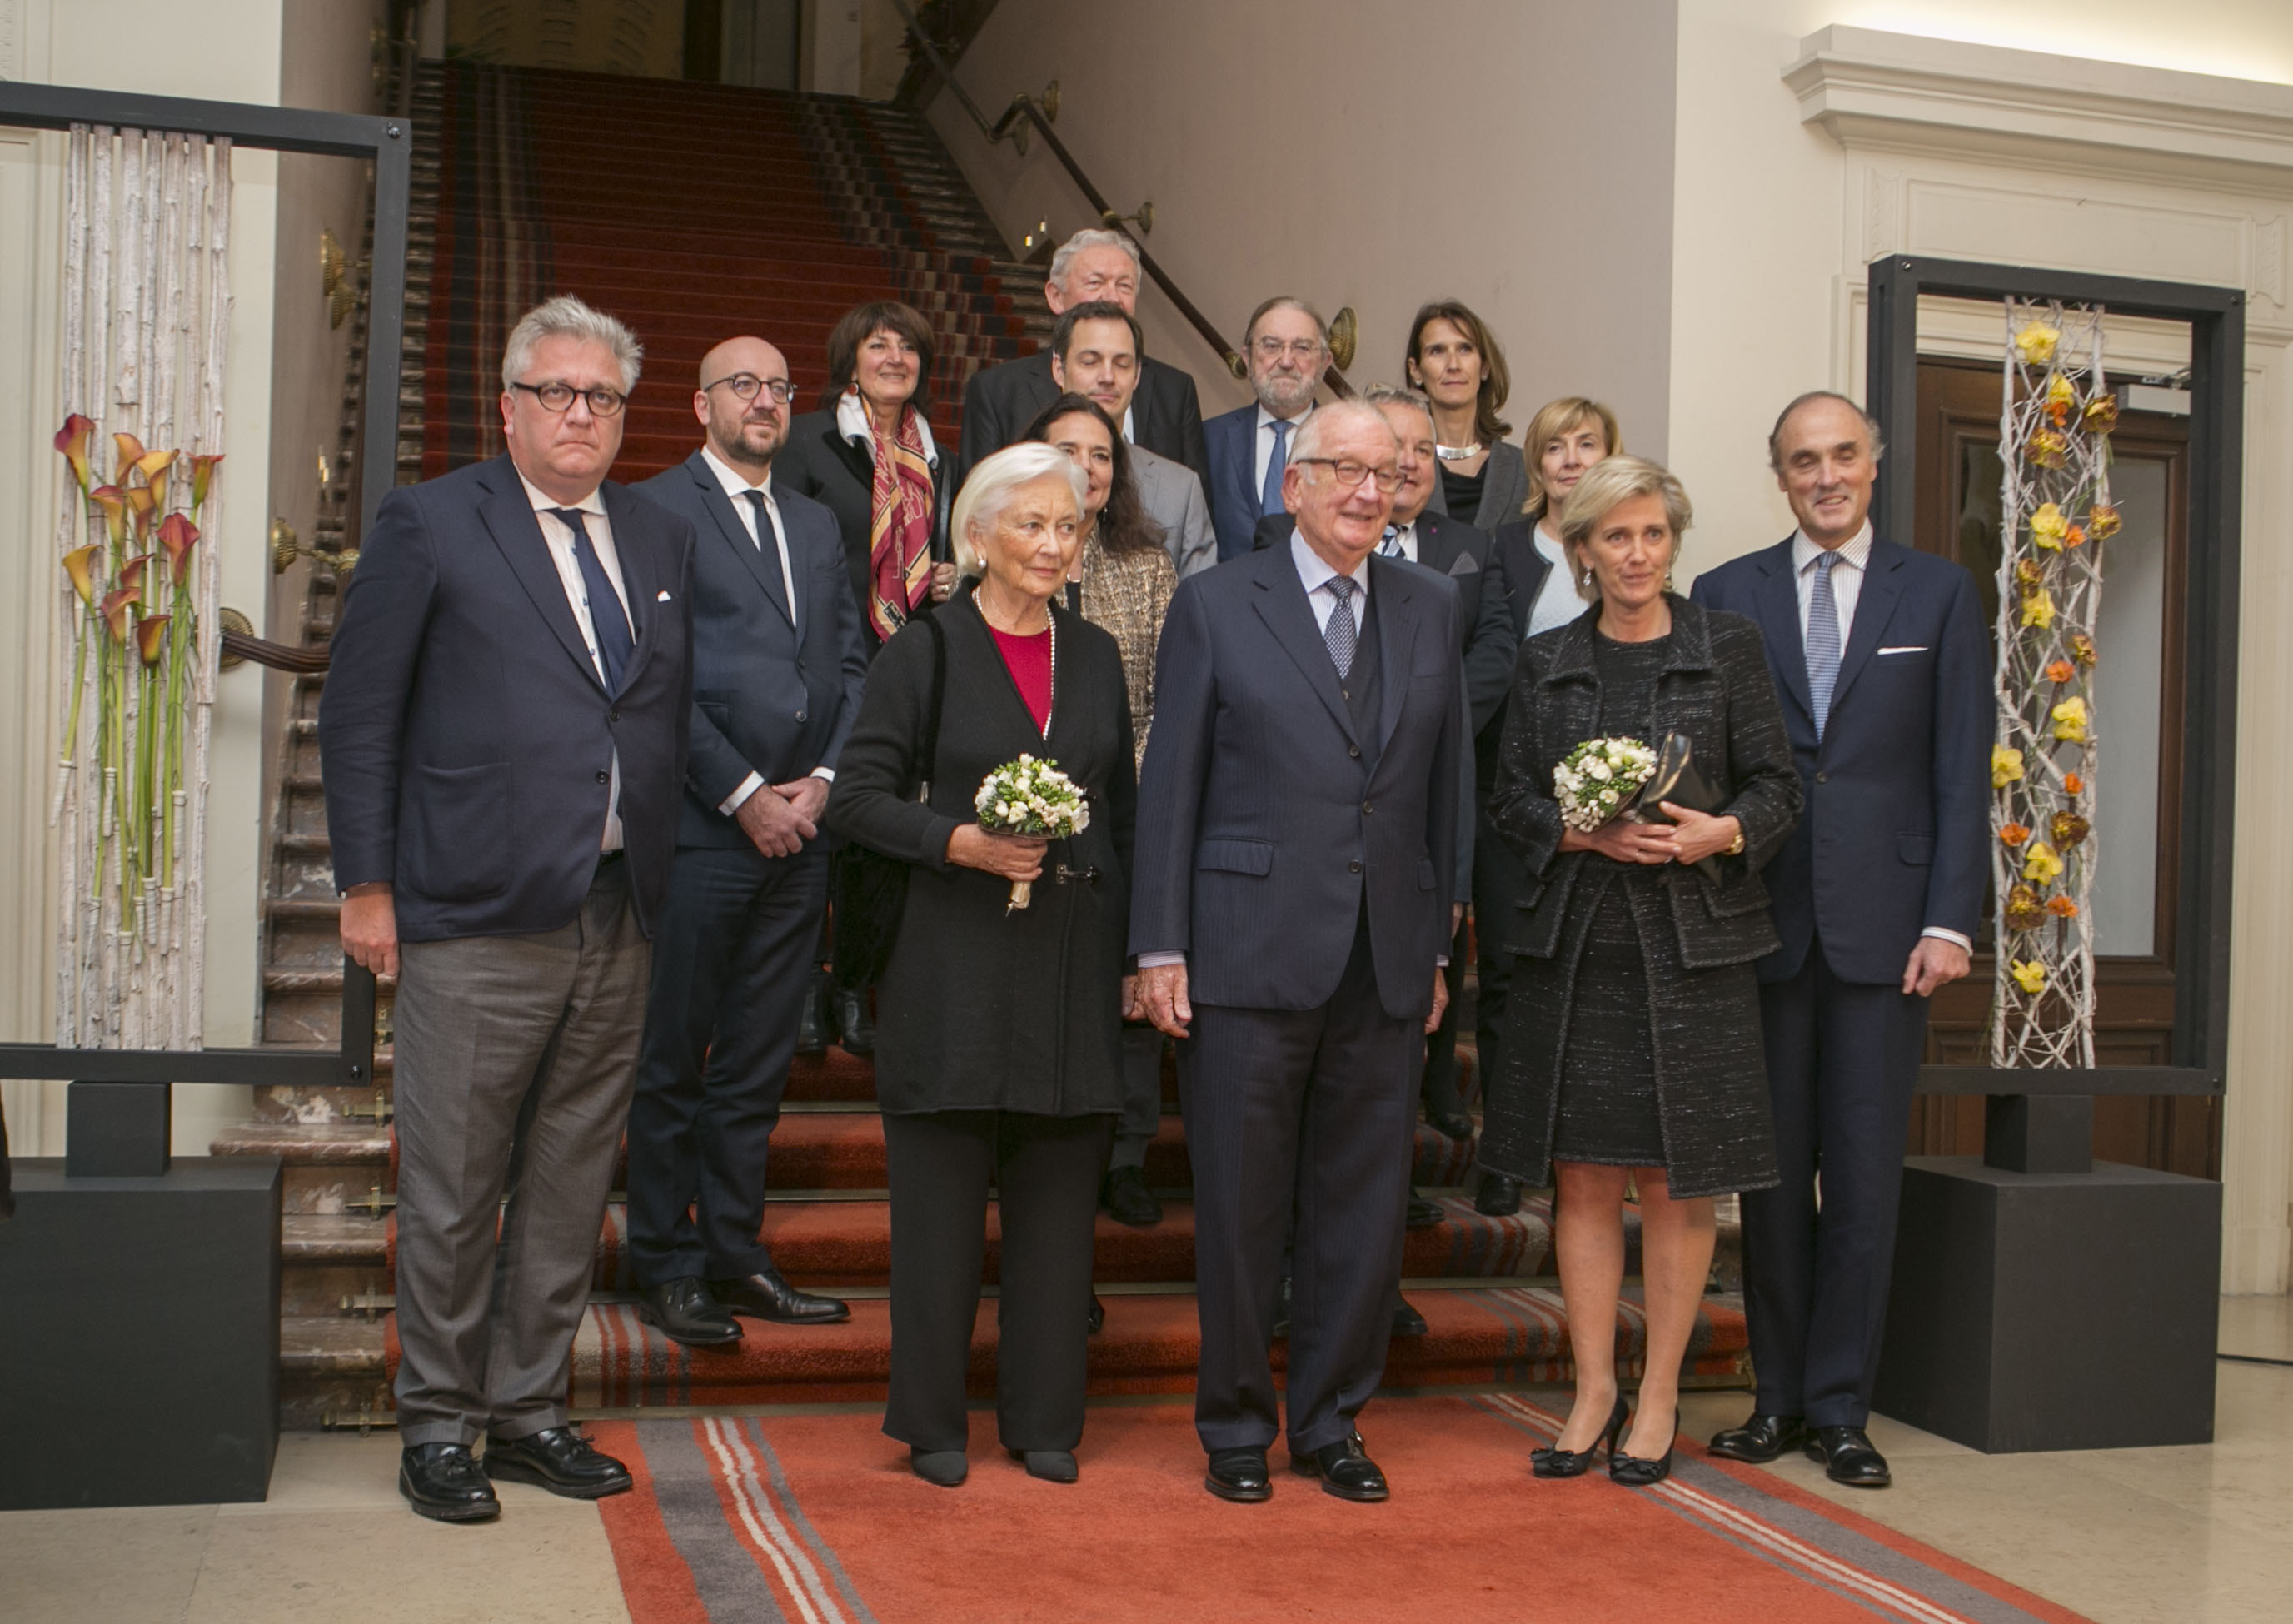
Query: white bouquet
[(1030, 796), (1597, 779)]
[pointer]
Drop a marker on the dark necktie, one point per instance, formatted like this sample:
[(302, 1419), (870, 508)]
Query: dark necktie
[(609, 622), (1269, 495), (1341, 633), (1389, 544), (772, 560)]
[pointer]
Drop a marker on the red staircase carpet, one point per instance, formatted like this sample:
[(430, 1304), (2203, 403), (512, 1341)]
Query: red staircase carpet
[(818, 1518)]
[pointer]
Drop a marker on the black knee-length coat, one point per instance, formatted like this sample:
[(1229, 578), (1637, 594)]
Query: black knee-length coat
[(980, 1009), (1712, 1086)]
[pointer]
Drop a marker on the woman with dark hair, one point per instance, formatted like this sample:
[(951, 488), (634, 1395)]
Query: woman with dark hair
[(1122, 580), (1456, 361), (869, 455)]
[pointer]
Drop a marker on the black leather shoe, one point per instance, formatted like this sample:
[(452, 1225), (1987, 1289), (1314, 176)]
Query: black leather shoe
[(1847, 1457), (1282, 1308), (811, 1026), (443, 1482), (1555, 1462), (1406, 1321), (1239, 1474), (559, 1459), (1760, 1440), (768, 1296), (683, 1311), (855, 1027), (1124, 1194), (1423, 1212), (1498, 1197), (943, 1468), (1345, 1469), (1097, 1314), (1459, 1126), (1052, 1466), (1639, 1471)]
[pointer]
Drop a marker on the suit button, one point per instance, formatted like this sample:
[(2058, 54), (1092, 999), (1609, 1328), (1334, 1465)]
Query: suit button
[(1823, 777), (1354, 750), (612, 716), (604, 778), (1353, 868), (799, 715), (1368, 809)]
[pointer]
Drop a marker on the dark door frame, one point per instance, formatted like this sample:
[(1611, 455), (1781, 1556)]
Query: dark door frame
[(2216, 321)]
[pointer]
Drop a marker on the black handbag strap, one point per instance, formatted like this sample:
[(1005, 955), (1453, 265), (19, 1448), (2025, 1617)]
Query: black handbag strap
[(931, 716)]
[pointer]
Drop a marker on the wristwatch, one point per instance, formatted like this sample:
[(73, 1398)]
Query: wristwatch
[(1736, 846)]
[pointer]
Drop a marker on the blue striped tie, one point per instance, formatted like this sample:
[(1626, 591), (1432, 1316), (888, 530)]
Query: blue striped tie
[(1341, 634), (608, 620), (1822, 641), (1389, 544)]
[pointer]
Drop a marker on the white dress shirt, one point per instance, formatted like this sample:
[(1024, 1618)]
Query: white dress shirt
[(1558, 602), (1263, 447), (559, 536), (737, 485), (1846, 592)]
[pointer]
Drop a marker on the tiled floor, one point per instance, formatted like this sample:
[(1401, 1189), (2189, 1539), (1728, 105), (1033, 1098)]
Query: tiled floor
[(2189, 1536)]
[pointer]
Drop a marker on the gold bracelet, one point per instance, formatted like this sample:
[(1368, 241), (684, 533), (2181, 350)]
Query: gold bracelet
[(1736, 846)]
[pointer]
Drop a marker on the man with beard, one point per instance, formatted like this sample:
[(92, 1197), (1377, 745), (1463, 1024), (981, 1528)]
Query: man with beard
[(778, 665), (1287, 344)]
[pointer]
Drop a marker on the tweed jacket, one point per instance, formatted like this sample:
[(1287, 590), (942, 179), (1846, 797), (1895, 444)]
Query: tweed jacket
[(1128, 594), (1715, 688)]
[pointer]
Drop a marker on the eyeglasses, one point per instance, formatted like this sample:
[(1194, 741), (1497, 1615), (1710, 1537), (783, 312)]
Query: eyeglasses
[(556, 397), (744, 386), (1274, 348), (1352, 473)]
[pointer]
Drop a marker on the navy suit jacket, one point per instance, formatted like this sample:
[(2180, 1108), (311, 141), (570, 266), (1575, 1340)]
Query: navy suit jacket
[(1229, 443), (1260, 832), (772, 694), (999, 403), (1895, 837), (1517, 576), (465, 736)]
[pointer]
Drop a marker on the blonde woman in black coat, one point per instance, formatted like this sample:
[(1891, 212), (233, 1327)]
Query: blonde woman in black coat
[(1633, 1056), (998, 1047)]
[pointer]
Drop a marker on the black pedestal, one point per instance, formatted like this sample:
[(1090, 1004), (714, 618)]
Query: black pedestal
[(139, 1335), (2038, 1311)]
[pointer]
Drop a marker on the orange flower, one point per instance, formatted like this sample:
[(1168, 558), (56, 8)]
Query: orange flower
[(2061, 671), (114, 504), (2062, 908), (2074, 537), (153, 467), (71, 439), (131, 452), (141, 501), (202, 474), (151, 637), (79, 563), (179, 535), (2073, 783), (116, 606), (2013, 834)]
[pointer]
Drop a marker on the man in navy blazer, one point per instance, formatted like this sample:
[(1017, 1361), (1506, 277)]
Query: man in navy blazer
[(1290, 908), (1287, 347), (503, 739), (778, 665), (1881, 656)]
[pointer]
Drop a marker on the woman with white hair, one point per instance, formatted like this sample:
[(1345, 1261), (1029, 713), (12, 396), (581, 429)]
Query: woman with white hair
[(998, 1049)]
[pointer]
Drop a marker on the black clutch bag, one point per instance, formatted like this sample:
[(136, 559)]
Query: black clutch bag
[(1680, 780), (870, 892)]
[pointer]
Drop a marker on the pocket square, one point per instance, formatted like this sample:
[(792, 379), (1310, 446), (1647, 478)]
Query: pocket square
[(664, 598), (1464, 565), (1908, 648)]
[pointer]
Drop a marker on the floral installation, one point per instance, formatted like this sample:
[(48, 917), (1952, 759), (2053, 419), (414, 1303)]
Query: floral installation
[(1030, 796), (1598, 778), (2053, 433)]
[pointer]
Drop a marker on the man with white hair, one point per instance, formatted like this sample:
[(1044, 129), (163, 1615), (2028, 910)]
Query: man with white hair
[(1287, 346), (503, 739), (1291, 904), (1165, 415)]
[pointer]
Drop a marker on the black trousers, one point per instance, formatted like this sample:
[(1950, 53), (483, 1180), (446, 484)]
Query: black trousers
[(1842, 1061), (1440, 1088), (1498, 882), (731, 966), (1303, 1114), (1142, 1095), (1045, 1170)]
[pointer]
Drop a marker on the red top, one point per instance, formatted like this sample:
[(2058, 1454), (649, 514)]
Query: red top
[(1029, 661)]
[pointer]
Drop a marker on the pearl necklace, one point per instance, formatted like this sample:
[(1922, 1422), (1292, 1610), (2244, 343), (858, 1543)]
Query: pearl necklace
[(1458, 453)]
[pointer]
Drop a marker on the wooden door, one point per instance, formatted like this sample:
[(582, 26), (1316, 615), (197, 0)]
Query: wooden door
[(2138, 709)]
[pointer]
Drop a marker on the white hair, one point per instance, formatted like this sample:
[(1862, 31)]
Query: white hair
[(989, 490), (567, 316), (1064, 259), (1322, 421)]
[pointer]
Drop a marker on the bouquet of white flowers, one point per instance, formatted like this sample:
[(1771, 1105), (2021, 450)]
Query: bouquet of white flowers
[(1030, 796), (1598, 778)]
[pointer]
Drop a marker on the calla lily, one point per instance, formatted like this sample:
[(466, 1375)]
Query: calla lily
[(202, 476), (131, 573), (151, 637), (2029, 975), (2005, 766), (179, 535), (71, 439), (113, 501), (116, 606), (153, 467), (131, 452), (2042, 863), (79, 563), (141, 502)]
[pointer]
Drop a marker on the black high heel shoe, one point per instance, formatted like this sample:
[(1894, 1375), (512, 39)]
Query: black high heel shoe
[(1635, 1471), (1575, 1463)]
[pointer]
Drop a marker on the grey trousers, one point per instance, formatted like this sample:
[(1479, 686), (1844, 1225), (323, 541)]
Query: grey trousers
[(515, 1059)]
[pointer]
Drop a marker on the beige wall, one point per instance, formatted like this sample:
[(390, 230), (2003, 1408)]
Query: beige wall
[(224, 50)]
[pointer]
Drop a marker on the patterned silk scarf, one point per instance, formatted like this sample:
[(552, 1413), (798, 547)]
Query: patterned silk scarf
[(899, 527)]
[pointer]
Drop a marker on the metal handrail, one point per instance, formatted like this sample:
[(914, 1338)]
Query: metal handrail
[(1038, 112)]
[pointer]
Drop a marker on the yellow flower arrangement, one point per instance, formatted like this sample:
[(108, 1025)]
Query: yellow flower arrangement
[(2060, 397), (2048, 447), (2048, 526), (2013, 834), (2041, 863), (2035, 343), (2029, 975), (2102, 522), (2101, 414), (2023, 911), (2071, 721), (2082, 649), (2038, 609), (2005, 766)]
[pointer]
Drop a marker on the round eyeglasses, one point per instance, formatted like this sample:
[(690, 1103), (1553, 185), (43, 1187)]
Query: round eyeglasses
[(556, 397), (744, 386)]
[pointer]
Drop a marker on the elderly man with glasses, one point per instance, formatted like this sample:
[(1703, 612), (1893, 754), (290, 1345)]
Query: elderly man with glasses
[(1291, 906), (1288, 349), (503, 739), (778, 665)]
